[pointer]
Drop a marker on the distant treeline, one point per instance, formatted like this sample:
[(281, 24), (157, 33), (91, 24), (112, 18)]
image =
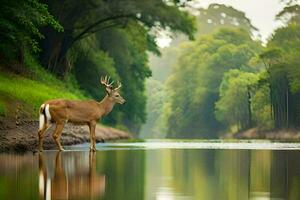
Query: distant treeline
[(85, 39), (227, 81)]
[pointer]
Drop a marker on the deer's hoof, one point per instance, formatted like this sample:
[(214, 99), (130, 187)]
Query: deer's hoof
[(93, 149), (61, 149)]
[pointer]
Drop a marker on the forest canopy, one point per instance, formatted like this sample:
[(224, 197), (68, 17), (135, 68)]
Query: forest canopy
[(226, 81), (223, 81), (84, 40)]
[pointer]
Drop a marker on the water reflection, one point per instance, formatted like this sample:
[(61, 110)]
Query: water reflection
[(152, 175), (70, 181), (223, 174)]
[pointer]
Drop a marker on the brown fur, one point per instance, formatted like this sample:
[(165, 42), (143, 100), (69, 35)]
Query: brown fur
[(86, 112)]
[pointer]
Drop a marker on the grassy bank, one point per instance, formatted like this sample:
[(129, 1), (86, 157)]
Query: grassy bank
[(31, 88)]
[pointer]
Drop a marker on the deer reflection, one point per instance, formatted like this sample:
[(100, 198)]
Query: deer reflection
[(79, 183)]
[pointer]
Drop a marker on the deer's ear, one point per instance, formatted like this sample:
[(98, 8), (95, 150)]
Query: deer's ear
[(108, 90)]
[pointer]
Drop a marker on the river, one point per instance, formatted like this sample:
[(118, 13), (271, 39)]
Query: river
[(158, 170)]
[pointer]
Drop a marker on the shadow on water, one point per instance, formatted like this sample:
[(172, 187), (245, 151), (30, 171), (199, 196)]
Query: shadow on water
[(160, 174)]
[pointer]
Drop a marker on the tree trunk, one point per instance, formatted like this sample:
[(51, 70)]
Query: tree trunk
[(249, 107), (54, 51)]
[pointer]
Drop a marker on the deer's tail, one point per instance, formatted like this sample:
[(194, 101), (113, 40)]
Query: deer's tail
[(45, 116)]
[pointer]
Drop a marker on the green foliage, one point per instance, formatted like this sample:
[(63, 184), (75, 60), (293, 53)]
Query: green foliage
[(261, 107), (121, 54), (209, 20), (221, 73), (39, 74), (31, 92), (290, 14), (112, 38), (233, 107), (127, 47), (194, 85), (154, 128), (99, 38), (287, 41), (281, 59), (85, 18), (220, 16), (88, 70), (20, 22), (34, 87)]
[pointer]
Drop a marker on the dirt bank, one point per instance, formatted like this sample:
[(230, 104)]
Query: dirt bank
[(255, 133), (23, 136)]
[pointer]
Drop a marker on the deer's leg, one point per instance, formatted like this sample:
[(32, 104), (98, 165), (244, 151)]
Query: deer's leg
[(42, 134), (58, 166), (42, 176), (92, 126), (57, 133)]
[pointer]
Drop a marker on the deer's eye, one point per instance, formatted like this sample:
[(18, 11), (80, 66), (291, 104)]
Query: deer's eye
[(117, 95)]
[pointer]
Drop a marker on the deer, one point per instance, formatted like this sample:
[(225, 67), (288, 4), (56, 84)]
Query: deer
[(78, 112)]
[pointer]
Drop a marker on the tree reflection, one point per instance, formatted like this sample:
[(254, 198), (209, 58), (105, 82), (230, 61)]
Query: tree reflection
[(154, 174), (222, 174)]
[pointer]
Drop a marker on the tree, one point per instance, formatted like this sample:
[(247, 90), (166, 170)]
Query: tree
[(208, 20), (234, 106), (281, 60), (128, 49), (111, 37), (86, 18), (220, 16), (154, 128), (20, 23), (194, 85)]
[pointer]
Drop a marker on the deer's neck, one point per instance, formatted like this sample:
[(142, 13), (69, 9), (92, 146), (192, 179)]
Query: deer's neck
[(106, 105)]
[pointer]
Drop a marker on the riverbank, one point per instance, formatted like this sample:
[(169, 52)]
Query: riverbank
[(23, 137), (255, 133), (22, 90)]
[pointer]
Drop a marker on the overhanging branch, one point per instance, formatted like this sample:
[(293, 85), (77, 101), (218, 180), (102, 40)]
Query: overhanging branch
[(93, 25), (99, 29)]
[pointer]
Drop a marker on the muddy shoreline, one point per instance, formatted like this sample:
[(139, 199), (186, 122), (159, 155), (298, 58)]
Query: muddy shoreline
[(275, 134), (23, 137)]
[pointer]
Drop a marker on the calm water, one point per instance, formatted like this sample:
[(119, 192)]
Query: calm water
[(156, 170)]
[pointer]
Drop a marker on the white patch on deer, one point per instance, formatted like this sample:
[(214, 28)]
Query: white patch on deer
[(48, 189), (41, 183), (41, 119), (48, 115)]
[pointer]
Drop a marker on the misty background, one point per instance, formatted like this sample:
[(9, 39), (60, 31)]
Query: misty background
[(258, 18)]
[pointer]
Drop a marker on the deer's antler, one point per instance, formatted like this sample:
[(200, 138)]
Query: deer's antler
[(119, 86), (105, 81)]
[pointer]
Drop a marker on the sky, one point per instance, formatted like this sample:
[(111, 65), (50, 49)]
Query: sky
[(261, 13)]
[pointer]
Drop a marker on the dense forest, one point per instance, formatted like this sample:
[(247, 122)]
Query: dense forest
[(227, 81), (216, 76), (70, 45)]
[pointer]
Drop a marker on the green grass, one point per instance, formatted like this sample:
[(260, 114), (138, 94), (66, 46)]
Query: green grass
[(43, 76), (34, 87), (31, 92)]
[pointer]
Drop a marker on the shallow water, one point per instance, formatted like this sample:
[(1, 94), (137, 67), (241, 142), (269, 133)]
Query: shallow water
[(162, 170)]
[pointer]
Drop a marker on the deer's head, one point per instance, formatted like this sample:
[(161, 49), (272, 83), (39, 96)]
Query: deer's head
[(113, 93)]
